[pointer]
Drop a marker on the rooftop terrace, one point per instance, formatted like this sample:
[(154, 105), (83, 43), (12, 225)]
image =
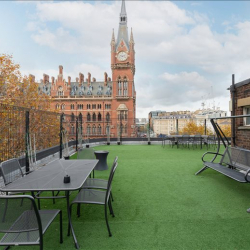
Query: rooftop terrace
[(160, 204)]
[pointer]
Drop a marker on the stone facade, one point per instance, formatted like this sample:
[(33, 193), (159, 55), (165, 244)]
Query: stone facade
[(108, 105)]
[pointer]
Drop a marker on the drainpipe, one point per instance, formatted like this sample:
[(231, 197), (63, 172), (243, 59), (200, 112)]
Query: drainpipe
[(233, 90)]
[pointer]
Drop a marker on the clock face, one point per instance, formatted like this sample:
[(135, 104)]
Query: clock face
[(122, 56)]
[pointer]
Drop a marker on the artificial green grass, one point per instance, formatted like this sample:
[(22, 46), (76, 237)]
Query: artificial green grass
[(161, 204)]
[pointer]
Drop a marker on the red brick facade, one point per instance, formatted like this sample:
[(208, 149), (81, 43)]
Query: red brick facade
[(241, 101)]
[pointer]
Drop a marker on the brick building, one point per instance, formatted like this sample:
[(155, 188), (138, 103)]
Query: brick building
[(240, 105), (102, 106)]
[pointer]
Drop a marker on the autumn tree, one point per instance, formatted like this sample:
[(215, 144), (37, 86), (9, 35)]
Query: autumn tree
[(191, 128), (22, 92)]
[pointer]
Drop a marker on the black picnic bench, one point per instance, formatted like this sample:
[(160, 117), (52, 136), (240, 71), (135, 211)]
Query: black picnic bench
[(234, 163)]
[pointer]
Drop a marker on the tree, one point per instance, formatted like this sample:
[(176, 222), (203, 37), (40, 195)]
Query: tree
[(192, 128), (19, 94)]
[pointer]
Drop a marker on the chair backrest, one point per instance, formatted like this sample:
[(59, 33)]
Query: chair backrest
[(86, 153), (11, 170), (115, 164), (19, 219)]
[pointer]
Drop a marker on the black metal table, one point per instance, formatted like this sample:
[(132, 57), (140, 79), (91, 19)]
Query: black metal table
[(51, 178), (102, 157)]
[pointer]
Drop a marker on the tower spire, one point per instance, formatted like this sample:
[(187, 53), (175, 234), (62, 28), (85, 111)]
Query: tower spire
[(131, 37), (123, 29)]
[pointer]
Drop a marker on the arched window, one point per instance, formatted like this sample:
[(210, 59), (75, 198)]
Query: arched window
[(88, 117), (93, 130), (72, 117), (72, 129), (88, 129), (99, 117), (72, 106), (63, 106), (125, 87), (99, 130), (108, 130), (107, 117), (119, 86), (57, 106), (94, 117), (80, 118)]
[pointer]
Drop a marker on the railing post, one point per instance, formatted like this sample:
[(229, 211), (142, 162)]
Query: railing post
[(27, 128), (205, 127), (60, 134), (76, 134)]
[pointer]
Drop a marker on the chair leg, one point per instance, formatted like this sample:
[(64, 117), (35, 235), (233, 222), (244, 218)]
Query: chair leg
[(106, 218), (53, 194), (111, 208), (61, 228), (78, 210), (111, 196)]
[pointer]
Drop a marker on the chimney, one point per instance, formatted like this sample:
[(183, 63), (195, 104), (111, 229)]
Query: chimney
[(53, 80), (81, 78), (32, 78), (105, 78), (69, 80), (89, 78), (60, 70), (45, 78), (93, 79)]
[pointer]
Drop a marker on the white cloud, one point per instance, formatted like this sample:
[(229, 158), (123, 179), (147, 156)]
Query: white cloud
[(165, 35)]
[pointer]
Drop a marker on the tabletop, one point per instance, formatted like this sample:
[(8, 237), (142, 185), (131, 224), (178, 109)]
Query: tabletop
[(51, 177)]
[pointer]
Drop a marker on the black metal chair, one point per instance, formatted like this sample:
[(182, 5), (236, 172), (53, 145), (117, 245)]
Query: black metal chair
[(100, 183), (97, 197), (86, 153), (10, 171), (24, 224), (197, 140), (184, 140)]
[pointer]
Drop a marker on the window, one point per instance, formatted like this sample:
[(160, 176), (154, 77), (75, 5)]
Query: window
[(88, 129), (99, 117), (99, 130), (119, 86), (57, 106), (94, 117), (93, 130), (72, 129), (72, 117), (125, 87), (72, 106), (246, 111), (80, 118), (88, 117), (63, 106), (107, 117), (88, 106), (93, 106)]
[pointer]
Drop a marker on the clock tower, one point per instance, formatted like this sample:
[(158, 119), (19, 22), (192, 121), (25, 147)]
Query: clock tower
[(123, 71)]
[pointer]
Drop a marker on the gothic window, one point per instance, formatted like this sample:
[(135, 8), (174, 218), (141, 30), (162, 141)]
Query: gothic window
[(88, 129), (80, 118), (72, 117), (72, 129), (93, 130), (88, 106), (107, 117), (99, 130), (72, 106), (119, 86), (57, 106), (63, 106), (125, 87), (88, 117), (93, 106), (99, 117), (94, 117), (108, 130)]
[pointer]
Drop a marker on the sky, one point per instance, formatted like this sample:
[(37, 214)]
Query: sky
[(186, 51)]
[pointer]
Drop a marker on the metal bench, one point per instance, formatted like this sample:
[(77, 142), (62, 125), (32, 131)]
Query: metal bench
[(234, 163)]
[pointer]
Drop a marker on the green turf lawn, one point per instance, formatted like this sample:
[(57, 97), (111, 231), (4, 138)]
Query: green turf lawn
[(160, 204)]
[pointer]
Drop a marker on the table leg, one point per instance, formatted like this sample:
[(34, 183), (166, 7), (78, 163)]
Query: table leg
[(70, 227)]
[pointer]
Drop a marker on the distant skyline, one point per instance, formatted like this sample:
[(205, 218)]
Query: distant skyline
[(186, 51)]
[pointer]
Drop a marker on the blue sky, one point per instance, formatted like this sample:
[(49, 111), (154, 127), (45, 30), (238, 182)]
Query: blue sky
[(186, 51)]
